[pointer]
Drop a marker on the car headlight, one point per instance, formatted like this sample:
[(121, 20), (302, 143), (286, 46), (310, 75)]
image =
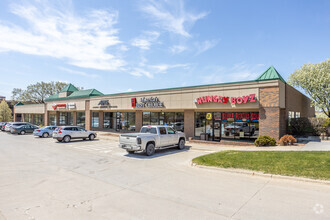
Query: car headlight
[(138, 140)]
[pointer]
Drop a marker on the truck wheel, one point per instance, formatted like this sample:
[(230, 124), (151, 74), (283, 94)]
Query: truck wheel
[(150, 149), (130, 152), (181, 144)]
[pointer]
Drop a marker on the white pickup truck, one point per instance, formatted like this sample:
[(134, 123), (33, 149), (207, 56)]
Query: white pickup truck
[(152, 138)]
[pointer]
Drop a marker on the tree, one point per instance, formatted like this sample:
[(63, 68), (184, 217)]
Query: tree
[(38, 92), (5, 112), (314, 79)]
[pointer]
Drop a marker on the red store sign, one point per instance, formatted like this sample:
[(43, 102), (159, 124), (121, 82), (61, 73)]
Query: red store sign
[(55, 106), (223, 99)]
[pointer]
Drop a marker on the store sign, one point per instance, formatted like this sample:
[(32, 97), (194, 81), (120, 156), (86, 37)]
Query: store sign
[(64, 106), (104, 104), (147, 103), (226, 99), (209, 116)]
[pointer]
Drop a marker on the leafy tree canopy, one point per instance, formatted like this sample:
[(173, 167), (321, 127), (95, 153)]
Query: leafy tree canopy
[(5, 112), (314, 79), (38, 92)]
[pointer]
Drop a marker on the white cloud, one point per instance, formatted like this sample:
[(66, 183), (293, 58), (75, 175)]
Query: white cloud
[(239, 72), (144, 41), (201, 47), (60, 33), (178, 48), (150, 70), (80, 73), (172, 16)]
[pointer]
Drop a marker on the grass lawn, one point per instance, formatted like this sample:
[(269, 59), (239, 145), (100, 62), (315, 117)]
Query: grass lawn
[(311, 164)]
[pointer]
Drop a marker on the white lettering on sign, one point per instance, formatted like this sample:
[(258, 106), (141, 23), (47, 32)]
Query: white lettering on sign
[(152, 102)]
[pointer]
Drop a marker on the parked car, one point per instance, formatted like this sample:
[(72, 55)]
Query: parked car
[(2, 126), (44, 132), (10, 124), (238, 127), (66, 133), (22, 129), (152, 138)]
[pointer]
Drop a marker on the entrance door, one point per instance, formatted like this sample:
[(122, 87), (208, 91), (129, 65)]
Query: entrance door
[(217, 126)]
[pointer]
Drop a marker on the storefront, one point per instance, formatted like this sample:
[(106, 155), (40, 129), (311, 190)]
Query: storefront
[(240, 110)]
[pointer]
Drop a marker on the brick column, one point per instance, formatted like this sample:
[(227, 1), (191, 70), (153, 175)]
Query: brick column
[(32, 119), (88, 116), (138, 120), (270, 112), (46, 116), (74, 118), (101, 119), (189, 123)]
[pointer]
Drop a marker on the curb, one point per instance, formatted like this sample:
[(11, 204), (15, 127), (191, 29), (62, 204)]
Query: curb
[(261, 174)]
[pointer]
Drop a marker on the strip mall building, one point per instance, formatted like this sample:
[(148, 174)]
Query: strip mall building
[(238, 110)]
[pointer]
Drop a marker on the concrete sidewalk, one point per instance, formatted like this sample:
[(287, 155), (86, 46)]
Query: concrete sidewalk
[(317, 146)]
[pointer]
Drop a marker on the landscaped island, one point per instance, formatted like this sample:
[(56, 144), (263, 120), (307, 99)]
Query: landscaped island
[(309, 164)]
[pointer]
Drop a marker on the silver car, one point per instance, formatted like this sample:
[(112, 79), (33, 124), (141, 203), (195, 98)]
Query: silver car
[(66, 133), (44, 132)]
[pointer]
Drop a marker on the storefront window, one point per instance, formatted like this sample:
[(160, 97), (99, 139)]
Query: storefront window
[(81, 119), (174, 119), (108, 120), (154, 118), (125, 121), (131, 121), (146, 118), (95, 120), (52, 119), (38, 119), (216, 125), (28, 118), (66, 118), (200, 123)]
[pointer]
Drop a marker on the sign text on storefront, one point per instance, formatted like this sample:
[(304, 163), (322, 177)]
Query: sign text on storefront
[(224, 99), (147, 103)]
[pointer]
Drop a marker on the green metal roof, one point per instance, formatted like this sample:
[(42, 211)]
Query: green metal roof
[(269, 74), (77, 94), (69, 88), (19, 103)]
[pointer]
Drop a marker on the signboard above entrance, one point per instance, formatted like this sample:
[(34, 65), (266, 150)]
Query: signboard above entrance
[(104, 104), (147, 103), (226, 99), (64, 106)]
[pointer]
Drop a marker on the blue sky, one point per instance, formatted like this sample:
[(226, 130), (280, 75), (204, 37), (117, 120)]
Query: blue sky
[(121, 46)]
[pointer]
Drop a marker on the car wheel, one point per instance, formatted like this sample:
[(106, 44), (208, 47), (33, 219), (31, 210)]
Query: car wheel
[(66, 139), (130, 152), (181, 144), (45, 135), (91, 137), (22, 132), (150, 149)]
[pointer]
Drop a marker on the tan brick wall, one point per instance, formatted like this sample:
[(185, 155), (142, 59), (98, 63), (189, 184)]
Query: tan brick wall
[(101, 119), (138, 120), (269, 113), (189, 123), (88, 116), (297, 102)]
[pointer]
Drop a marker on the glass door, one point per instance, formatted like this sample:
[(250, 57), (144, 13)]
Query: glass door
[(217, 126)]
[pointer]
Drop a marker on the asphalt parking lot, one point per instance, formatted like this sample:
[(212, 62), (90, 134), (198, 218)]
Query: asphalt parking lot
[(44, 179)]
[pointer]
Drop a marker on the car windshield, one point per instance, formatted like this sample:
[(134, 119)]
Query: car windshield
[(149, 130)]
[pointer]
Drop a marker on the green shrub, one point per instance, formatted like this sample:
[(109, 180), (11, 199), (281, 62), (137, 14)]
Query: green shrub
[(307, 126), (326, 123), (264, 140)]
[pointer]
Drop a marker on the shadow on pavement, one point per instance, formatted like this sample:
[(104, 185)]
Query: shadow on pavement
[(158, 153)]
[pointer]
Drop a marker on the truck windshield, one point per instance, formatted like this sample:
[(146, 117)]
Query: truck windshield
[(148, 130)]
